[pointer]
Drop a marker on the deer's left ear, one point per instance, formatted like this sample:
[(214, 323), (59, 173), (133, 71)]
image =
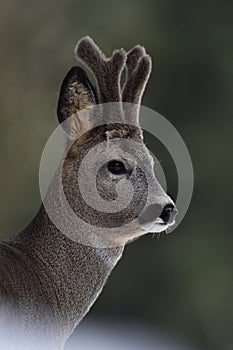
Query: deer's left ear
[(77, 96)]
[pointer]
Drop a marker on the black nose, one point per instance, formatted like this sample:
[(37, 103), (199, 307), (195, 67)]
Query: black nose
[(168, 213)]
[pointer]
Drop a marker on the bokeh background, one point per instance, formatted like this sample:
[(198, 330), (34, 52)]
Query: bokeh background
[(181, 284)]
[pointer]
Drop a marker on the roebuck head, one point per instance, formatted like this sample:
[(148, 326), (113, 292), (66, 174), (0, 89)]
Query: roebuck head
[(108, 173)]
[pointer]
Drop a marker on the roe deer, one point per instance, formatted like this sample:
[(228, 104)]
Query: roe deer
[(53, 271)]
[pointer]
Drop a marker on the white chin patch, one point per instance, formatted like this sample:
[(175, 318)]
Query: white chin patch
[(155, 226)]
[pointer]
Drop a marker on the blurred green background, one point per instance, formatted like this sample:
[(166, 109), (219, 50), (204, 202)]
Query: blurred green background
[(181, 283)]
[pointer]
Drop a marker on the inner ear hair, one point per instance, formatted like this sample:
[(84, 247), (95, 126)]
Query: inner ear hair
[(76, 93)]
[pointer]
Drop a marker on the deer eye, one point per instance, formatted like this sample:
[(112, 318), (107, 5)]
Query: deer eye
[(116, 167)]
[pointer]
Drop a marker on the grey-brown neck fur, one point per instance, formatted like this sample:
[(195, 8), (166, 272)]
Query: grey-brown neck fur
[(48, 282)]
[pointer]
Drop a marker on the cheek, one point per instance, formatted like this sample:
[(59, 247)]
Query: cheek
[(106, 186)]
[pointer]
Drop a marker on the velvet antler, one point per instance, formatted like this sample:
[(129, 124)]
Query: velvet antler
[(138, 69), (107, 71)]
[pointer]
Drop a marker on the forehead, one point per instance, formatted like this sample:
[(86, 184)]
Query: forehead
[(115, 130), (104, 133), (113, 141)]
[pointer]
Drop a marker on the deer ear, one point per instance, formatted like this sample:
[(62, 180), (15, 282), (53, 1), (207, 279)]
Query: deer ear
[(77, 97)]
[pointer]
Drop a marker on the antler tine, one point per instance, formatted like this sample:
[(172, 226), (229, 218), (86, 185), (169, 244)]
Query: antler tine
[(138, 71), (133, 56), (107, 71)]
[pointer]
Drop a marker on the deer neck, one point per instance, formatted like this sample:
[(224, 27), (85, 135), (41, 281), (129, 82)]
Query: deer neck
[(58, 276), (65, 276)]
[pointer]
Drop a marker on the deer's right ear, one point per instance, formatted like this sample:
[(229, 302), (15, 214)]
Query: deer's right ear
[(77, 96)]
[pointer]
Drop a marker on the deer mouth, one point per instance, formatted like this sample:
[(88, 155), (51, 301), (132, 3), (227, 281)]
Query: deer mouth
[(157, 226)]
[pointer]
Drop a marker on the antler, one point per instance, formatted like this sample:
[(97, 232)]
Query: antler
[(107, 71), (138, 70)]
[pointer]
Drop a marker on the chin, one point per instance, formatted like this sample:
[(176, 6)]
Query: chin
[(156, 227)]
